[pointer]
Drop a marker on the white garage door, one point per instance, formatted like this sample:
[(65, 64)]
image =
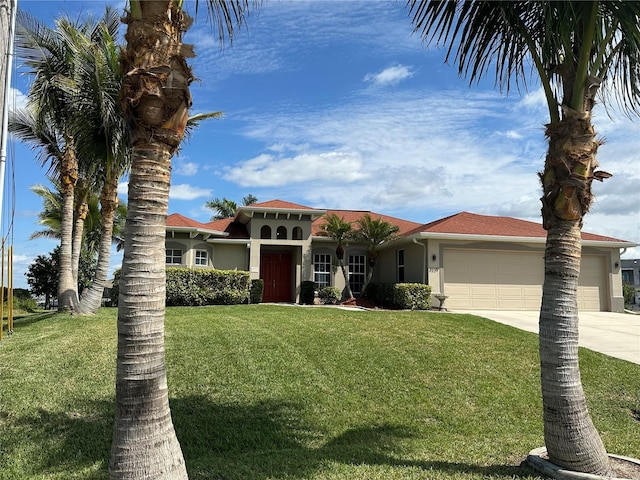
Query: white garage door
[(498, 280)]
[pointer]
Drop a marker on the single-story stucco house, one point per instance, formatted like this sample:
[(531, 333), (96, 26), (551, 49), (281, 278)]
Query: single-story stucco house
[(477, 261)]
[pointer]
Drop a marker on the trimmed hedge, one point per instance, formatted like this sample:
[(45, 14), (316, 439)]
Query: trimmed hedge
[(189, 287), (400, 296)]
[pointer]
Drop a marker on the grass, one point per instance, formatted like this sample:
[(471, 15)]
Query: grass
[(269, 392)]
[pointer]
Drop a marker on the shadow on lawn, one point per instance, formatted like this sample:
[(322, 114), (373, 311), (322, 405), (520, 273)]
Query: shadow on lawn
[(61, 441), (269, 440), (24, 320)]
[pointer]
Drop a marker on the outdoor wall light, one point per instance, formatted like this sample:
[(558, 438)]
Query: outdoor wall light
[(433, 257), (616, 264)]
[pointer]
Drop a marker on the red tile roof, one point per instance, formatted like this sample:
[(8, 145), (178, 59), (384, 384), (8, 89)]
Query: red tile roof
[(463, 223), (178, 220), (280, 204), (466, 223)]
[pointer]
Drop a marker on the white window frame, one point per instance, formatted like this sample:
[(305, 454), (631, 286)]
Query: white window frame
[(199, 260), (400, 262), (357, 272), (171, 256), (322, 269)]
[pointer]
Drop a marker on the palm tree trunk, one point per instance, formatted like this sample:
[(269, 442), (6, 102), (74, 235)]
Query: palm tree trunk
[(67, 289), (91, 299), (156, 95), (571, 439), (144, 445), (346, 293), (78, 233)]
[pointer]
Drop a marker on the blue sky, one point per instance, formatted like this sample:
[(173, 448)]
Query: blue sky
[(337, 105)]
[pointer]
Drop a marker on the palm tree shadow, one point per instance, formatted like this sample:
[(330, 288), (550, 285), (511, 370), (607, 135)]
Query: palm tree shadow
[(73, 441), (268, 440), (26, 320)]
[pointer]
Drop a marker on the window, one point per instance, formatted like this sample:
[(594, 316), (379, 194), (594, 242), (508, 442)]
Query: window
[(627, 277), (174, 256), (400, 258), (201, 257), (297, 233), (281, 233), (322, 269), (357, 270), (265, 232)]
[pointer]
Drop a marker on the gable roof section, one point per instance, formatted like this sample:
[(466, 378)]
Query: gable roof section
[(245, 213), (471, 224), (279, 204), (177, 222)]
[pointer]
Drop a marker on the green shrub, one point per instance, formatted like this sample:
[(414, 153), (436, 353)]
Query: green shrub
[(412, 296), (629, 293), (189, 287), (307, 292), (255, 292), (329, 295), (400, 296), (195, 287), (381, 294)]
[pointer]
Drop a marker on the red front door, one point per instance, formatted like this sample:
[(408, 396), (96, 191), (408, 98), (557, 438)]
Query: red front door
[(275, 271)]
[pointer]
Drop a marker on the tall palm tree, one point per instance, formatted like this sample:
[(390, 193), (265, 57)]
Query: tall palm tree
[(156, 101), (226, 208), (578, 50), (105, 126), (341, 231), (373, 233)]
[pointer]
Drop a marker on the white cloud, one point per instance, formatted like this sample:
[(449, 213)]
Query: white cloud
[(17, 99), (182, 167), (389, 76), (269, 171), (184, 191)]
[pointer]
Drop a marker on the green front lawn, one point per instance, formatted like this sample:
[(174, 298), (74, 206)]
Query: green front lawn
[(276, 392)]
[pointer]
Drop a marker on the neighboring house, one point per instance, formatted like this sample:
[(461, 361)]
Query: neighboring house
[(631, 272), (478, 261)]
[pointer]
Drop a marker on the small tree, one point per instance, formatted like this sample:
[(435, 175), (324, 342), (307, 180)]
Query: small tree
[(42, 276), (341, 231), (373, 233)]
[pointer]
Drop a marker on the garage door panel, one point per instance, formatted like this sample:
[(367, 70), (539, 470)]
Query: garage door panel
[(512, 280)]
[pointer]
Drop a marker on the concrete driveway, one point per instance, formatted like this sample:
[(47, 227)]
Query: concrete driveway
[(614, 334)]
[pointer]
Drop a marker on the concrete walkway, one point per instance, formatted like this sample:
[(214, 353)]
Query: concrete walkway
[(614, 334)]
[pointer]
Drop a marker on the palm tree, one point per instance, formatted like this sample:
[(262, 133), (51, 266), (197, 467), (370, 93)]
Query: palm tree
[(48, 55), (104, 124), (373, 233), (156, 101), (577, 49), (50, 216), (340, 231), (226, 208)]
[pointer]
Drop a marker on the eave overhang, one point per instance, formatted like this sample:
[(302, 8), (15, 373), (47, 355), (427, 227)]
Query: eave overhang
[(513, 239)]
